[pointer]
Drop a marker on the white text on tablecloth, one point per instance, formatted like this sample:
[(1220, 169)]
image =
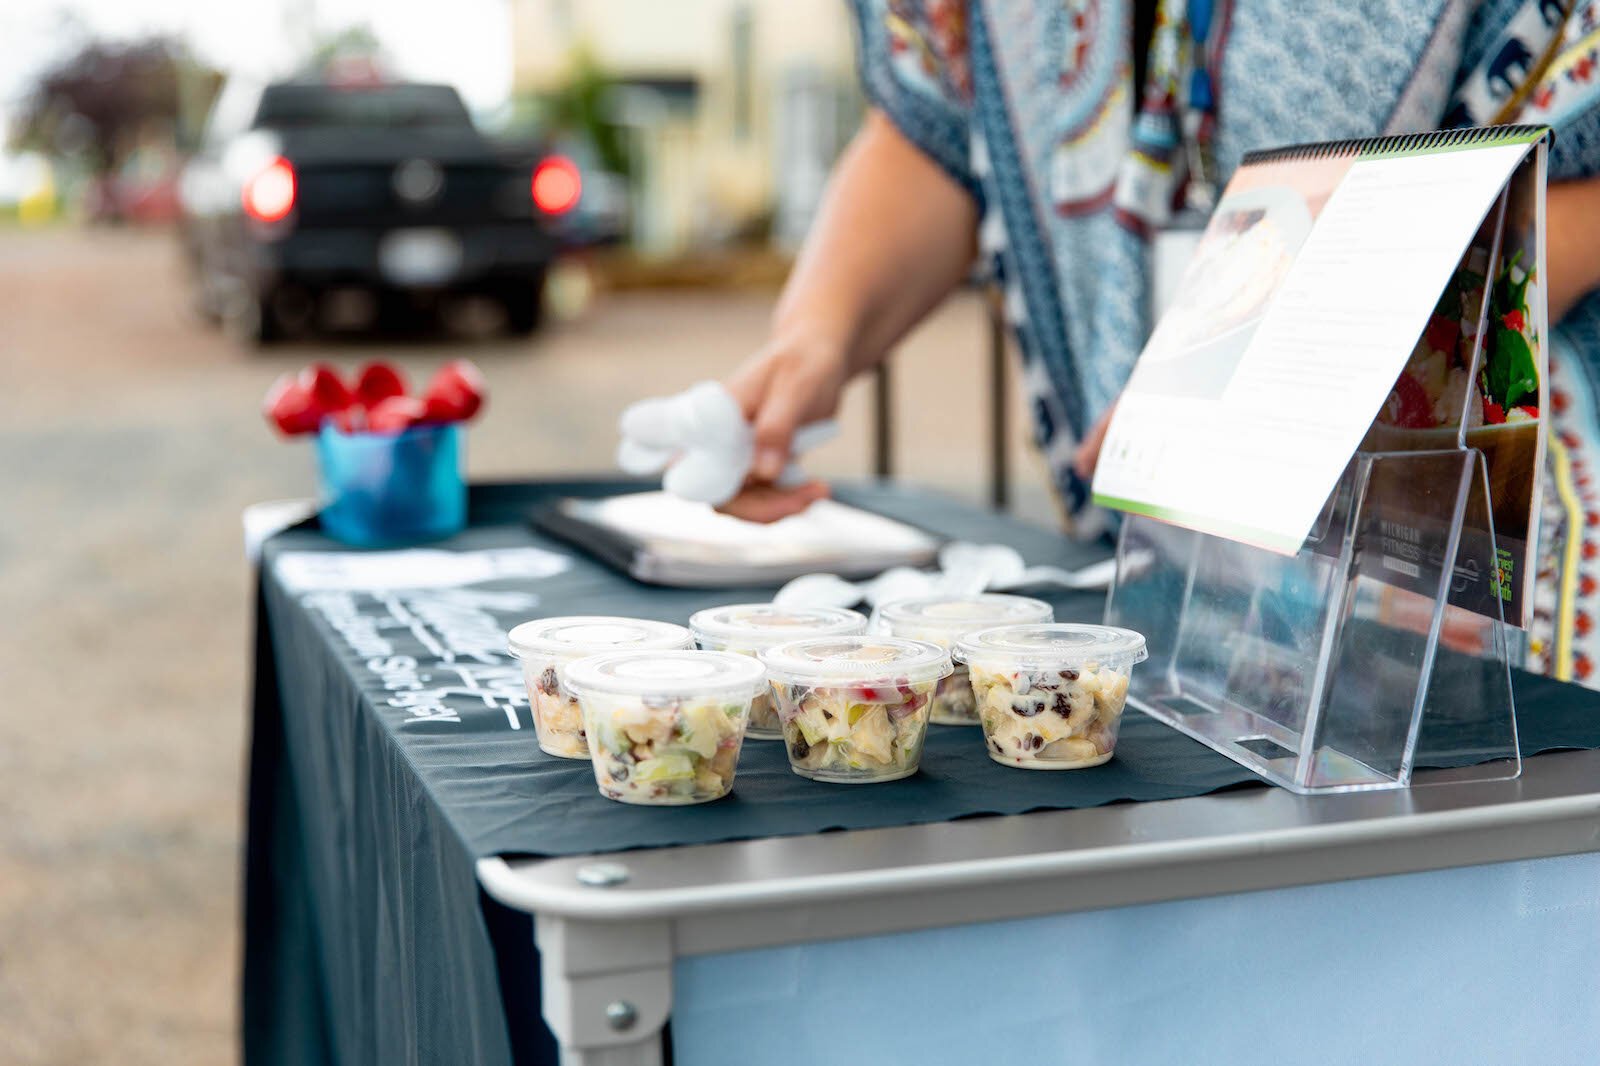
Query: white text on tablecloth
[(427, 647)]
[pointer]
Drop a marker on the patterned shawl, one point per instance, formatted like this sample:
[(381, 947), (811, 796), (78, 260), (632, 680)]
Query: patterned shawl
[(1026, 103)]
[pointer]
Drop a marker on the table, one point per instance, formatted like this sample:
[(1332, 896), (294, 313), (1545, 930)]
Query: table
[(375, 933), (622, 937)]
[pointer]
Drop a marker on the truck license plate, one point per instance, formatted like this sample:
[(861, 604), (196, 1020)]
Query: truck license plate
[(419, 256)]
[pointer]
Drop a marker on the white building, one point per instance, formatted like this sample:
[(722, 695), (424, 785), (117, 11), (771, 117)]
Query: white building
[(737, 107)]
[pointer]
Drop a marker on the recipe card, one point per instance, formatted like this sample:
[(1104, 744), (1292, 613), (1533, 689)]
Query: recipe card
[(1342, 294)]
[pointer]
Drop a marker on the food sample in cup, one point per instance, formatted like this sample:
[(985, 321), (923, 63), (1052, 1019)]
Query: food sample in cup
[(547, 645), (1050, 696), (945, 620), (855, 709), (665, 727), (750, 628)]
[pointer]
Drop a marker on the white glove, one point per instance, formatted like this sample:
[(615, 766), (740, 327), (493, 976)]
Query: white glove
[(701, 440)]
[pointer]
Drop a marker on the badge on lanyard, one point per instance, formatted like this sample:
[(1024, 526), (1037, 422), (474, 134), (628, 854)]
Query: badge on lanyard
[(1199, 112), (1172, 132), (1174, 244)]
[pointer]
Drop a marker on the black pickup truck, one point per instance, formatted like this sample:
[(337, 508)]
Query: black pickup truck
[(303, 188)]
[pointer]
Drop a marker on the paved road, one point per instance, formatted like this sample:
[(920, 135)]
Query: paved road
[(129, 442)]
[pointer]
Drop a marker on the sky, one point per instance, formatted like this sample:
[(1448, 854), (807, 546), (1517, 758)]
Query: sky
[(464, 42)]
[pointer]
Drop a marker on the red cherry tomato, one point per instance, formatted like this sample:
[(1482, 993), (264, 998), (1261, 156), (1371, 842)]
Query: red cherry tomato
[(455, 393), (350, 420), (394, 415), (1410, 404), (377, 381), (289, 407), (326, 388), (442, 407), (1443, 334)]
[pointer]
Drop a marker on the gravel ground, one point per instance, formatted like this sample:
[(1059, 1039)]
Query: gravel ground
[(129, 443)]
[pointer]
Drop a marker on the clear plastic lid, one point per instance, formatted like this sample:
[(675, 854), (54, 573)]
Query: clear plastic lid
[(668, 675), (1051, 645), (574, 636), (856, 660), (755, 626), (946, 619)]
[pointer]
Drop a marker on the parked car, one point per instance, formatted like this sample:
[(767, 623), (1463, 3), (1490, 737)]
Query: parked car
[(142, 191), (306, 187)]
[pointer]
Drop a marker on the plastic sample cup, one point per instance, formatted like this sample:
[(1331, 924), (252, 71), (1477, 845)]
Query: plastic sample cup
[(945, 620), (855, 709), (751, 628), (1050, 696), (388, 489), (547, 645), (665, 727)]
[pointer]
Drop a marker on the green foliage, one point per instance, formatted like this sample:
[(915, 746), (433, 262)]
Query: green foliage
[(584, 106), (1511, 372), (90, 106), (356, 41)]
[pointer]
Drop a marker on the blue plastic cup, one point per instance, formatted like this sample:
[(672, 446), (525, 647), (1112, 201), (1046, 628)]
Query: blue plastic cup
[(391, 489)]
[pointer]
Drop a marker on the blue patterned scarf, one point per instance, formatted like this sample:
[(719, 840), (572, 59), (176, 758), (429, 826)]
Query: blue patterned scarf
[(1028, 105)]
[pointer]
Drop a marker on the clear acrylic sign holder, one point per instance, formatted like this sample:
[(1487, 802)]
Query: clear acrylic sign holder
[(1378, 649), (1381, 647)]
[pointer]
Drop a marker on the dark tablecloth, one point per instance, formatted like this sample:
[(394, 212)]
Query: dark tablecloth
[(392, 748)]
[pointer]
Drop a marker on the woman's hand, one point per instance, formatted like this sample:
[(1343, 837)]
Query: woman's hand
[(786, 385), (1087, 457), (1572, 228), (893, 236)]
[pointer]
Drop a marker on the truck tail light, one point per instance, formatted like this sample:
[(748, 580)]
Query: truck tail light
[(270, 195), (556, 185)]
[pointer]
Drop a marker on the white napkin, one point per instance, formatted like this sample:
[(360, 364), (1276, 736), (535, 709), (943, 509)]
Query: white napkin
[(965, 569), (699, 438)]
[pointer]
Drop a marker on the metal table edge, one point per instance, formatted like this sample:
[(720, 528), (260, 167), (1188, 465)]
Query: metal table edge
[(550, 887)]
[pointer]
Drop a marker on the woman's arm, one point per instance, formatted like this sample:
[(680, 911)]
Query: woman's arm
[(1572, 243), (895, 234)]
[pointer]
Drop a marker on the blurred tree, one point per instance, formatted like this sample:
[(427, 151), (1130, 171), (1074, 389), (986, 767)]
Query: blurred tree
[(584, 106), (92, 107), (353, 44)]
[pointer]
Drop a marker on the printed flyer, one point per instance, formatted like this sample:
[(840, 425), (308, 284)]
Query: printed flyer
[(1381, 295)]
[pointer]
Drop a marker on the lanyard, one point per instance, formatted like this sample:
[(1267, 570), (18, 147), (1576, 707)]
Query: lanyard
[(1170, 149), (1199, 108)]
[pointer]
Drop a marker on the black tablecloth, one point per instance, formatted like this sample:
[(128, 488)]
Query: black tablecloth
[(393, 748)]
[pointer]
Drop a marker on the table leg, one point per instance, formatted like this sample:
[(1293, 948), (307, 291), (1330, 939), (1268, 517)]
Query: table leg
[(999, 416), (607, 989)]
